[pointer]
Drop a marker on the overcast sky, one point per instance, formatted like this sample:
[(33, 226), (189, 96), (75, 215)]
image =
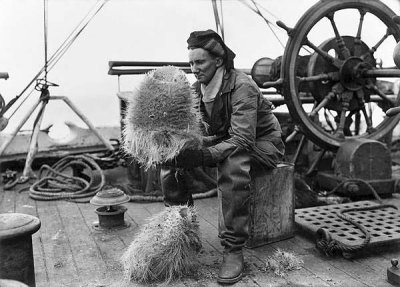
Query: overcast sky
[(129, 30)]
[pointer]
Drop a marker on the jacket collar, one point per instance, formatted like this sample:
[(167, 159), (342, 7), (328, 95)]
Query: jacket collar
[(228, 83)]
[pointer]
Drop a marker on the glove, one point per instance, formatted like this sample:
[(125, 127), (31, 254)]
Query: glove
[(191, 158)]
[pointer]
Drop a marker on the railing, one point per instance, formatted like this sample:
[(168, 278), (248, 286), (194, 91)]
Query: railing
[(119, 68)]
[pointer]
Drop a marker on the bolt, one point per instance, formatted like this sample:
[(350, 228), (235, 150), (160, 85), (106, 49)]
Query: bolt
[(394, 262)]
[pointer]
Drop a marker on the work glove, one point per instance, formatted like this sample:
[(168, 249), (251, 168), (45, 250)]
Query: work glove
[(191, 158)]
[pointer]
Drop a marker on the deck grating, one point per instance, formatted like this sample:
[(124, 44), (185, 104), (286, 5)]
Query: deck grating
[(382, 224)]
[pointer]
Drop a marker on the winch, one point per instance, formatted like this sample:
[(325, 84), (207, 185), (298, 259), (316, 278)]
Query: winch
[(110, 213)]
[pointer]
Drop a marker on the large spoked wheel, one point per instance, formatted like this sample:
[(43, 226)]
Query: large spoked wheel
[(346, 71)]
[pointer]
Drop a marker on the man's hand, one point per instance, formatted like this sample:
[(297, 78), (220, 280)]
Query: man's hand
[(189, 158)]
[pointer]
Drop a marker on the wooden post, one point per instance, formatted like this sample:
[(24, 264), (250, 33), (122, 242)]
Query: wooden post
[(33, 147), (271, 205)]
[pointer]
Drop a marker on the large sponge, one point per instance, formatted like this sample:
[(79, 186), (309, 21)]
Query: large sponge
[(160, 119), (165, 248)]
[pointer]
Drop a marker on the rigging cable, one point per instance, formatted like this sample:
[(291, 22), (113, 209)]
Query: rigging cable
[(222, 21), (269, 23), (59, 52), (45, 29), (219, 24)]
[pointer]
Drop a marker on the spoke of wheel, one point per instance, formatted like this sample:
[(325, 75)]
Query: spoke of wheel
[(334, 61), (374, 48), (328, 120), (346, 97), (340, 130), (315, 163), (349, 118), (332, 76), (368, 121), (299, 148), (381, 94), (357, 40), (344, 51), (291, 137), (322, 104), (357, 123)]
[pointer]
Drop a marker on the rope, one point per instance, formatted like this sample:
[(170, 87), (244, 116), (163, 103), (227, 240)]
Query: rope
[(331, 246), (9, 179), (55, 184), (160, 198)]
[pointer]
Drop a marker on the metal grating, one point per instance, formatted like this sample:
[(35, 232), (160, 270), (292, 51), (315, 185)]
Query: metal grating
[(383, 224)]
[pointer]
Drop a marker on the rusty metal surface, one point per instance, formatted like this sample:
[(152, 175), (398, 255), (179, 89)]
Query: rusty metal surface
[(363, 158), (13, 225), (16, 251), (383, 224), (112, 218), (109, 197)]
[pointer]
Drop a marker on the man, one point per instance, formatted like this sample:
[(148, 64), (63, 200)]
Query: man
[(241, 133)]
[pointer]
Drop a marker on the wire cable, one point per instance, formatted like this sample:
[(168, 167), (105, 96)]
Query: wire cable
[(269, 23), (50, 62)]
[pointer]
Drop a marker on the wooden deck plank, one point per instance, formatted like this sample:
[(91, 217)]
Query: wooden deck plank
[(61, 265), (318, 264), (307, 276), (26, 205), (362, 273), (86, 254), (210, 237), (255, 264), (137, 212), (7, 201), (65, 223), (374, 276), (109, 245)]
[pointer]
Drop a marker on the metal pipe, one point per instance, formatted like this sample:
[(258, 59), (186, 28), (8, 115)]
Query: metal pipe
[(382, 73), (143, 67)]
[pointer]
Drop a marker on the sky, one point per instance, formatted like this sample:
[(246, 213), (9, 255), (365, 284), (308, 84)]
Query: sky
[(126, 30)]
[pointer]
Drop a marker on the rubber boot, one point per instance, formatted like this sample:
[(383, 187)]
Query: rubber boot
[(231, 270)]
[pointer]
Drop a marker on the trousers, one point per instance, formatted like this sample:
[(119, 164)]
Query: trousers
[(233, 185)]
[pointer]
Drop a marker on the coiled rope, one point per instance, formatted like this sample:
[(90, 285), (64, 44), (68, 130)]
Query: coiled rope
[(56, 183), (9, 179), (331, 246)]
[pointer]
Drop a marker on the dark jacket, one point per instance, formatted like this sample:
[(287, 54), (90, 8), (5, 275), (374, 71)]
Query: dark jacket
[(241, 118)]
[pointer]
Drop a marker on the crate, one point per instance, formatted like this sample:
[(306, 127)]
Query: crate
[(271, 205)]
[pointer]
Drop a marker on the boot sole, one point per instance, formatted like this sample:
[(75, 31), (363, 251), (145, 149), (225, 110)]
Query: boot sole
[(230, 280)]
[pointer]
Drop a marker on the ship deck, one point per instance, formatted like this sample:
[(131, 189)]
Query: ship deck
[(69, 251)]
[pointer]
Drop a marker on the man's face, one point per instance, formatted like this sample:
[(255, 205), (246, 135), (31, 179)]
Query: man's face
[(203, 64)]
